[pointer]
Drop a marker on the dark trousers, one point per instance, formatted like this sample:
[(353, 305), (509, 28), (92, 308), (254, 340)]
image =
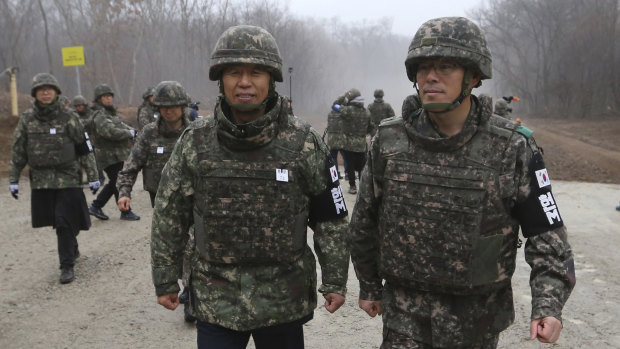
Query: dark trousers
[(356, 161), (110, 188), (152, 195), (284, 336), (334, 154), (67, 246)]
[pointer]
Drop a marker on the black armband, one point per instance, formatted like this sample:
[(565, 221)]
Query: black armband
[(83, 148), (539, 212), (329, 204)]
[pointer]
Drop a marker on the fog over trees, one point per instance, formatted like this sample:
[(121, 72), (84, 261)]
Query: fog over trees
[(560, 57)]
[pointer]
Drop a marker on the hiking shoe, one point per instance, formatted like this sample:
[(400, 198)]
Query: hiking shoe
[(129, 216), (97, 212), (66, 275), (352, 190)]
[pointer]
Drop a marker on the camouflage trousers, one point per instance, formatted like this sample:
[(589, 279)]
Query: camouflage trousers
[(420, 319), (394, 340)]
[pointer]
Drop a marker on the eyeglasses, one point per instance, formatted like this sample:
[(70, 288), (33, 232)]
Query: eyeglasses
[(442, 67)]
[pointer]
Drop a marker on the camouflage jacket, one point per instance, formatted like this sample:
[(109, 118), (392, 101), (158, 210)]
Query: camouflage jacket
[(518, 194), (111, 137), (379, 110), (150, 153), (354, 125), (244, 296), (51, 140), (411, 103), (86, 117), (147, 113)]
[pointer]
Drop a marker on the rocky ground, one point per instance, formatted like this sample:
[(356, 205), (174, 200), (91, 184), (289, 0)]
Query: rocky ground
[(111, 304)]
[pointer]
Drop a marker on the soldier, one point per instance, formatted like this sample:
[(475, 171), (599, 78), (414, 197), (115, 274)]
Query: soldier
[(64, 101), (251, 178), (411, 103), (111, 138), (147, 112), (441, 201), (153, 148), (51, 140), (335, 135), (501, 108), (356, 125), (379, 110)]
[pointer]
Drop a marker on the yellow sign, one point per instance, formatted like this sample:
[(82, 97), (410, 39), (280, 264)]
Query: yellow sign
[(72, 56)]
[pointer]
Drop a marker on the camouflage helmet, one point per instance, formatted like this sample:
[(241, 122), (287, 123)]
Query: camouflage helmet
[(379, 93), (44, 79), (170, 93), (78, 100), (245, 44), (501, 107), (102, 89), (64, 100), (150, 91), (454, 37), (352, 94)]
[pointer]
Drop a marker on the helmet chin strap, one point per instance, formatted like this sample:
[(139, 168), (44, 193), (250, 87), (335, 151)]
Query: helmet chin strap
[(446, 107)]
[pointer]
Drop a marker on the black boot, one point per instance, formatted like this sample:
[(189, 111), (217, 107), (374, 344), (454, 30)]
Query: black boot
[(97, 212), (66, 275), (129, 216)]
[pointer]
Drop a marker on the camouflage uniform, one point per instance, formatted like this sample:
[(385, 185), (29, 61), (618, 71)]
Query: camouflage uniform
[(501, 108), (355, 125), (250, 190), (438, 219), (51, 140), (147, 112), (111, 138), (411, 103), (86, 115), (150, 153), (379, 110)]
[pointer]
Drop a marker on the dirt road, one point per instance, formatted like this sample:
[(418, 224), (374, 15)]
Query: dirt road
[(111, 304)]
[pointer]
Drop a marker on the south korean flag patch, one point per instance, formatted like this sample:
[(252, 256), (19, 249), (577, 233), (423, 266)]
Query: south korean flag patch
[(329, 204), (539, 213)]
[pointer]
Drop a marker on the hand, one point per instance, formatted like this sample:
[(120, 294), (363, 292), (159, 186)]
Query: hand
[(547, 329), (94, 186), (123, 203), (372, 308), (169, 301), (333, 301), (14, 189)]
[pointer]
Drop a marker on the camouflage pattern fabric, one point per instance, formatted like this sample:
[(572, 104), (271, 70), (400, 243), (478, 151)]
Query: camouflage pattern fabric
[(111, 136), (147, 113), (86, 117), (379, 110), (411, 103), (44, 132), (443, 307), (354, 126), (150, 153), (245, 296), (501, 108), (246, 44), (455, 37)]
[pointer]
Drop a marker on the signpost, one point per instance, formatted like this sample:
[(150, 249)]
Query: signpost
[(74, 56)]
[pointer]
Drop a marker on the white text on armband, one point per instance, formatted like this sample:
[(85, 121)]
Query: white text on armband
[(338, 200), (550, 208)]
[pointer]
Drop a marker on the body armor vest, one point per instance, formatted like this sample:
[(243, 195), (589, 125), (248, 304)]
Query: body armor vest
[(355, 121), (379, 111), (159, 151), (249, 206), (49, 144), (444, 223)]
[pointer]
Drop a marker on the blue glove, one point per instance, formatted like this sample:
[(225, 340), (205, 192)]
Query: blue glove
[(14, 188), (336, 107), (94, 186)]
